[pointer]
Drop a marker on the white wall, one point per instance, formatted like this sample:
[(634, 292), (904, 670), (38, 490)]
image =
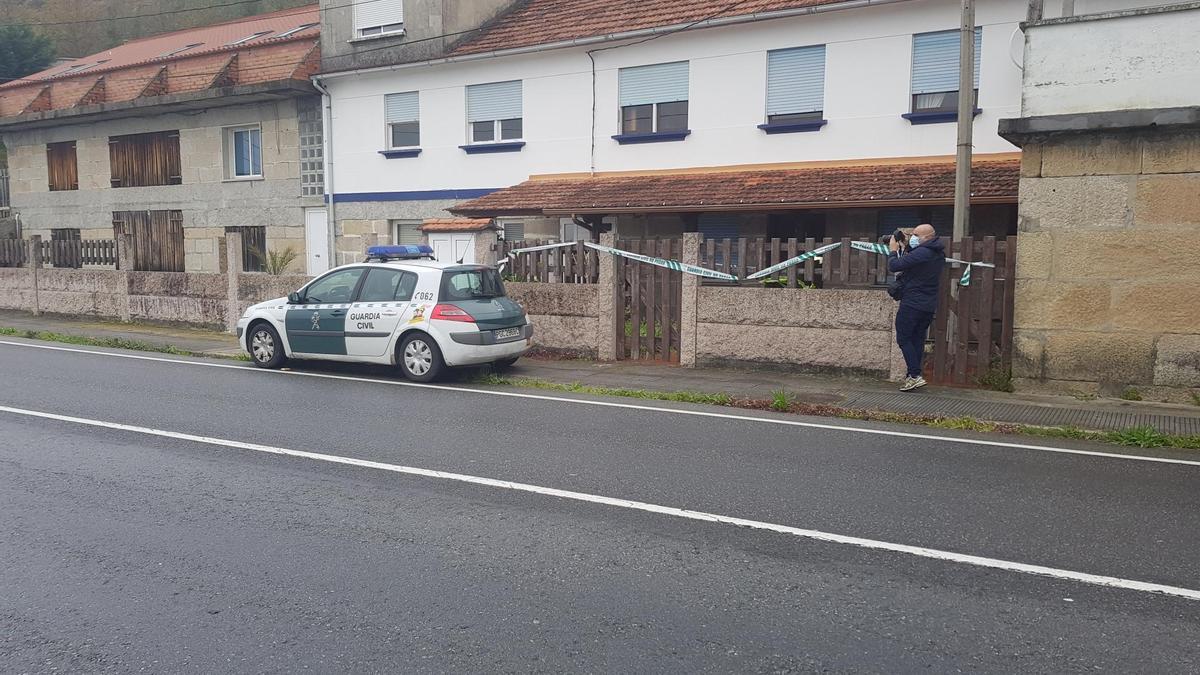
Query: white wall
[(868, 64), (1124, 63)]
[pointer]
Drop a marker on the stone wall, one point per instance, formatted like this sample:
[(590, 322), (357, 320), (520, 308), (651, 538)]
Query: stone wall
[(565, 316), (1108, 288), (820, 330)]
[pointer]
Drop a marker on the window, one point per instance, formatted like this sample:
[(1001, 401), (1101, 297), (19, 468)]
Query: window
[(248, 38), (406, 232), (179, 50), (796, 85), (62, 166), (483, 282), (312, 147), (157, 238), (334, 288), (402, 112), (378, 17), (254, 247), (243, 152), (386, 285), (935, 71), (512, 230), (297, 29), (141, 160), (654, 99), (494, 112)]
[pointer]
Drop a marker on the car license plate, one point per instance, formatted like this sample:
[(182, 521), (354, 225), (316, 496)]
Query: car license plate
[(505, 333)]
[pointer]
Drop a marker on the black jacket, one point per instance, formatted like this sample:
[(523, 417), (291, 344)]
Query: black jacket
[(922, 272)]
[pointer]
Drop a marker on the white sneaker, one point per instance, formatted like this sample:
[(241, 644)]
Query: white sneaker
[(911, 383)]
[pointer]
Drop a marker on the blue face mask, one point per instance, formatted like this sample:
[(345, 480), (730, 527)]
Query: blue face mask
[(914, 241)]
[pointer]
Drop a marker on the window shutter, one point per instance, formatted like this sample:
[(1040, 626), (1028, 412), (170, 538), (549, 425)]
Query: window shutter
[(796, 80), (494, 101), (376, 13), (402, 107), (513, 230), (719, 225), (935, 61), (660, 83)]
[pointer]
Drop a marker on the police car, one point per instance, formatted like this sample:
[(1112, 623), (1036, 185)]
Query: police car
[(401, 308)]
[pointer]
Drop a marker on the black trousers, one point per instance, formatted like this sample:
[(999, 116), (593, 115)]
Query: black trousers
[(912, 326)]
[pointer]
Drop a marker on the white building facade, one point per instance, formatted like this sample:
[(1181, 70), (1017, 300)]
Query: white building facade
[(840, 85)]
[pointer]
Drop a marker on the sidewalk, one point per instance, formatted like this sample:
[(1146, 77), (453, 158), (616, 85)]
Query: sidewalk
[(854, 393)]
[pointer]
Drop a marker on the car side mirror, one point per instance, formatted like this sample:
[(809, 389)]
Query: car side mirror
[(293, 298)]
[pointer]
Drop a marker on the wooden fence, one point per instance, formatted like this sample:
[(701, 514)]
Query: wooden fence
[(973, 330), (650, 300), (842, 267), (13, 252), (576, 264), (79, 252)]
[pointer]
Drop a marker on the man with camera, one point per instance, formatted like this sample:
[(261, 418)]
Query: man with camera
[(919, 270)]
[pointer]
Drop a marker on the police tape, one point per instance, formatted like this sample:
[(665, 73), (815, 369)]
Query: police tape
[(512, 255), (793, 261), (674, 265), (882, 249)]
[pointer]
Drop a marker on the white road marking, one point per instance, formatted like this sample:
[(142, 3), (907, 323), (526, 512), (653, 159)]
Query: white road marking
[(920, 551), (627, 406)]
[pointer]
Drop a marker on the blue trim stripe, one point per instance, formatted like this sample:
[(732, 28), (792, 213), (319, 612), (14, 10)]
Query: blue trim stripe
[(411, 196)]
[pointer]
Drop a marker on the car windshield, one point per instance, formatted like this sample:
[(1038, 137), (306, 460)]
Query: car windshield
[(470, 284)]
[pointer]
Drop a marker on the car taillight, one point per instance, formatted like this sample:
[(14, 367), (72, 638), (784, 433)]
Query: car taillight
[(451, 313)]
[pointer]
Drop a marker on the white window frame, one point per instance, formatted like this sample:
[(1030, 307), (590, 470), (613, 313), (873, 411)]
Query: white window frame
[(653, 117), (504, 227), (230, 152), (387, 126), (401, 222), (375, 31), (496, 132)]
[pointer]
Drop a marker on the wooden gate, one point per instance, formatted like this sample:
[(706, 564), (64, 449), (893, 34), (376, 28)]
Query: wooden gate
[(157, 238), (649, 300), (972, 332)]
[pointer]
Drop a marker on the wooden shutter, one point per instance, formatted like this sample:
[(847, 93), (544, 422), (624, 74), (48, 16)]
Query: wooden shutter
[(145, 159), (62, 165)]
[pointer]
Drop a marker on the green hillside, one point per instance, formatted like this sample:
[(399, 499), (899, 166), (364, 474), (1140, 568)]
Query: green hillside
[(99, 30)]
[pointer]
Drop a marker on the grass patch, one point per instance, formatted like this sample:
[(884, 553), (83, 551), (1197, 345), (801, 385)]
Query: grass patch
[(111, 343), (1083, 395), (998, 379), (1195, 397), (783, 401), (1131, 394)]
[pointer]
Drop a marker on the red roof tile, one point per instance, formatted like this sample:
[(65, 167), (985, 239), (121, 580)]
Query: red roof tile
[(545, 21), (129, 68), (456, 224), (759, 189)]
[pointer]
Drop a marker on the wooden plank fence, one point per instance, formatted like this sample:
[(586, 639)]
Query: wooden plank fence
[(576, 264), (840, 268), (13, 252), (651, 302), (79, 252)]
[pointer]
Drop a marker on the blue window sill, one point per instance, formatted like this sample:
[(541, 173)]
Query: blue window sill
[(793, 127), (397, 154), (660, 137), (935, 117), (484, 148)]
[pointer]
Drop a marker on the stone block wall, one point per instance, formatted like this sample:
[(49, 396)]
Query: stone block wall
[(819, 330), (565, 316), (1108, 288)]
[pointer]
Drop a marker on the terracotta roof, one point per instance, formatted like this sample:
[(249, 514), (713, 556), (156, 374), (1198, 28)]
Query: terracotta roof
[(544, 21), (822, 187), (135, 68), (456, 224)]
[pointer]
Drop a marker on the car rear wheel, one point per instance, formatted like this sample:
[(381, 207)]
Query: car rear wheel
[(419, 358), (266, 349)]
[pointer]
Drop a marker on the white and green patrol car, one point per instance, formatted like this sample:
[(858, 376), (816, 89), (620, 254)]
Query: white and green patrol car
[(399, 308)]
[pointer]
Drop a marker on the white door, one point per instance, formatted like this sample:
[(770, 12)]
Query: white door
[(316, 241), (450, 247)]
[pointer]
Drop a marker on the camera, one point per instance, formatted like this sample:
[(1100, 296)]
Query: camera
[(898, 235)]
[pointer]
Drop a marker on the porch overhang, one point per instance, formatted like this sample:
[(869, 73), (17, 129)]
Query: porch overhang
[(993, 181)]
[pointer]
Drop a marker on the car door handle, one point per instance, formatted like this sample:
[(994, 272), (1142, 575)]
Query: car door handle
[(390, 314), (338, 312)]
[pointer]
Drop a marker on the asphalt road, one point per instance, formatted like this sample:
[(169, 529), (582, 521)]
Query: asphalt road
[(122, 550)]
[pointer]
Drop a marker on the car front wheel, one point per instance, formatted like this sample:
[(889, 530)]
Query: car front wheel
[(419, 358), (266, 349)]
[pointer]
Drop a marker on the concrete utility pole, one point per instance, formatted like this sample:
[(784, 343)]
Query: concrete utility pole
[(966, 119)]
